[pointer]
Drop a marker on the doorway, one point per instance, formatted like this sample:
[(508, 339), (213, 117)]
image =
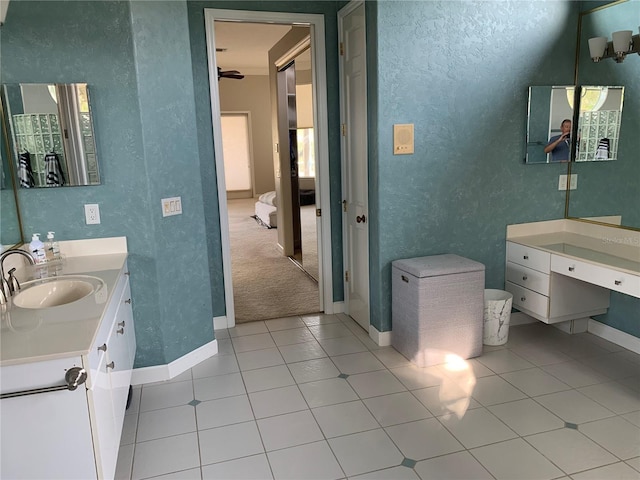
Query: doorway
[(320, 146)]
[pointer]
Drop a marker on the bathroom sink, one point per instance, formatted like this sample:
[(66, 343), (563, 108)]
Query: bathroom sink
[(56, 291)]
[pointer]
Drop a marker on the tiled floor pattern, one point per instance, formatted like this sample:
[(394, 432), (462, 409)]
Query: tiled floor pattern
[(315, 398)]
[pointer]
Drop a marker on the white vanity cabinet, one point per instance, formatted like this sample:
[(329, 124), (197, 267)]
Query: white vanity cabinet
[(72, 434), (546, 295)]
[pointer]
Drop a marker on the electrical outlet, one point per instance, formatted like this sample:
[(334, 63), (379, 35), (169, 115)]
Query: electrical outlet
[(92, 214), (573, 181), (562, 182)]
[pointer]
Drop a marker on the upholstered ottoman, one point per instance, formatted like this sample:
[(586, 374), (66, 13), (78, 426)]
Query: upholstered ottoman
[(437, 308)]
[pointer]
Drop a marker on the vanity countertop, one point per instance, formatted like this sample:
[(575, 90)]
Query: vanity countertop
[(33, 335)]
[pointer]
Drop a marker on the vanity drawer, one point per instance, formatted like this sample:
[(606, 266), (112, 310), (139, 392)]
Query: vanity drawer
[(526, 299), (528, 257), (605, 277), (528, 277)]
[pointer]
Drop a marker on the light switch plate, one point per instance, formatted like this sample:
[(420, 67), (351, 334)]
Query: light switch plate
[(403, 138), (573, 181), (562, 182), (171, 206)]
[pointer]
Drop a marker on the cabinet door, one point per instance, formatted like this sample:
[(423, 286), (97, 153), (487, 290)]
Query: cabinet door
[(105, 439), (45, 435)]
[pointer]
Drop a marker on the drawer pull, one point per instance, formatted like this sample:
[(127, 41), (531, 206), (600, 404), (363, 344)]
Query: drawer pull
[(571, 269), (524, 277), (618, 282), (526, 257), (120, 331), (405, 279), (121, 324), (523, 299), (127, 273), (103, 348), (128, 300), (111, 365)]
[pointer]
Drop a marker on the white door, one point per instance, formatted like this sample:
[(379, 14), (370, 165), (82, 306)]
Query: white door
[(355, 181), (236, 151)]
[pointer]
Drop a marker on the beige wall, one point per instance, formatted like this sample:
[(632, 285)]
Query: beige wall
[(251, 94)]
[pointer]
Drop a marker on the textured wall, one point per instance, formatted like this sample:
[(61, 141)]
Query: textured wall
[(608, 188), (460, 71)]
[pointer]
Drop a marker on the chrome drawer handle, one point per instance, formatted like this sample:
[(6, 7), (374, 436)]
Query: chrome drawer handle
[(121, 324), (571, 269), (524, 277), (111, 365), (103, 348), (618, 282), (120, 331), (128, 301), (526, 257), (127, 273)]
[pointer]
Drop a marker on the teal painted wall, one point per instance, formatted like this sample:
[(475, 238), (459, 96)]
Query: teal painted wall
[(460, 72)]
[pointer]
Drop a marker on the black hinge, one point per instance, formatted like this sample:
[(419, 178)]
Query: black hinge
[(341, 49), (346, 275), (318, 212)]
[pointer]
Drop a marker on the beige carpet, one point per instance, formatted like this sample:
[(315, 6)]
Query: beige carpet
[(266, 284)]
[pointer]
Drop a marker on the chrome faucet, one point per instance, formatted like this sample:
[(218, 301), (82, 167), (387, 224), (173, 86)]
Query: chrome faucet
[(9, 286)]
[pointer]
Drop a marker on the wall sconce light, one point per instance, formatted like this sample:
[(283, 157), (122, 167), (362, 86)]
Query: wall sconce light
[(624, 43)]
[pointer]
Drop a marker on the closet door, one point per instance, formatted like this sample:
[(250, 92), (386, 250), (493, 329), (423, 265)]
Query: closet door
[(237, 154)]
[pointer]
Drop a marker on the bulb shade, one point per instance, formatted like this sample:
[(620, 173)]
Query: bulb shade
[(597, 46), (622, 41)]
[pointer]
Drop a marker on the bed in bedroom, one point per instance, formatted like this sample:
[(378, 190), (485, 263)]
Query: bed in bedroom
[(266, 208)]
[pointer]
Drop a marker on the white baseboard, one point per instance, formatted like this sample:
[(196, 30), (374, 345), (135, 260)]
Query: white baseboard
[(338, 307), (614, 335), (220, 323), (161, 373), (382, 339)]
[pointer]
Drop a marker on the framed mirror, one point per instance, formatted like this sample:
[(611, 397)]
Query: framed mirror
[(10, 224), (52, 135), (549, 124)]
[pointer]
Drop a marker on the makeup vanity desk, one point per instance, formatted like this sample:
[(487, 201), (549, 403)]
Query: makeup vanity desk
[(561, 270)]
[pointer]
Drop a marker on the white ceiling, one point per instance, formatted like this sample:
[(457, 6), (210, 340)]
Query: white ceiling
[(247, 45)]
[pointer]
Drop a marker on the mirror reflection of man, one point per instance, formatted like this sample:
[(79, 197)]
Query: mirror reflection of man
[(560, 145)]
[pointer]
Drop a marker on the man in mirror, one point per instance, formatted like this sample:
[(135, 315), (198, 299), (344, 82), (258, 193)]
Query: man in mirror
[(560, 145)]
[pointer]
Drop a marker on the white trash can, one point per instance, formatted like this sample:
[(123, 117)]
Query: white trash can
[(497, 314)]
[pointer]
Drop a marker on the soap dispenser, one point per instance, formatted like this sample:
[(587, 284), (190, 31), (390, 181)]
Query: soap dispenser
[(52, 247), (37, 249)]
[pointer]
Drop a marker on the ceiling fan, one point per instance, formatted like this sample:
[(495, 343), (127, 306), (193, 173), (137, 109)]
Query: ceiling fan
[(235, 74)]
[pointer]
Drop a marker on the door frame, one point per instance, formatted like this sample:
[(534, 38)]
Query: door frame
[(319, 91)]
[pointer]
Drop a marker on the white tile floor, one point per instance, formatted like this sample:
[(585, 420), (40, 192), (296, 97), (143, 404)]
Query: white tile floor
[(315, 398)]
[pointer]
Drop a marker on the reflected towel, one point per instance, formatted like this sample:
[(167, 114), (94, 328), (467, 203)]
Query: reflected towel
[(602, 153), (53, 169), (24, 170)]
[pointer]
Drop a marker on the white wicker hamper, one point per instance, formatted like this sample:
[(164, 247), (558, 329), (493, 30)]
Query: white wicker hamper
[(437, 308)]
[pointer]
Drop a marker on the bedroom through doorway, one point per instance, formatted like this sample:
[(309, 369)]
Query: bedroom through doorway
[(266, 282)]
